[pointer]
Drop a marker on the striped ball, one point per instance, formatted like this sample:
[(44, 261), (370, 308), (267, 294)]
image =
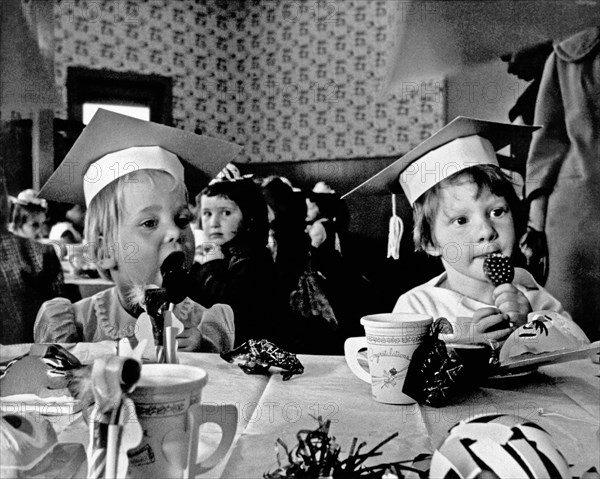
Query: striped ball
[(508, 446)]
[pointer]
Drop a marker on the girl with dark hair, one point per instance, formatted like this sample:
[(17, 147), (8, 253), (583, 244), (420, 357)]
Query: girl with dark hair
[(233, 217)]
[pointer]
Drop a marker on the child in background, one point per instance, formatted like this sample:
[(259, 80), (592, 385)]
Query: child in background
[(69, 230), (465, 208), (30, 274), (28, 215), (131, 176), (233, 214)]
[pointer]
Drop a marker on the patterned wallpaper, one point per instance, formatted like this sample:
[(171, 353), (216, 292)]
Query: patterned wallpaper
[(290, 80)]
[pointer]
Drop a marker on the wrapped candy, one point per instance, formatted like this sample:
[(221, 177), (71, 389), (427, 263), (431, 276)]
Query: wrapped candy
[(256, 356), (434, 373)]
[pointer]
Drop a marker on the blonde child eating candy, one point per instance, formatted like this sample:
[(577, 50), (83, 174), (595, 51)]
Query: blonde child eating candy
[(137, 217), (466, 209)]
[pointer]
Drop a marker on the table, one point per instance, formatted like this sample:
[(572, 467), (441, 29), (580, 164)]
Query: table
[(270, 408)]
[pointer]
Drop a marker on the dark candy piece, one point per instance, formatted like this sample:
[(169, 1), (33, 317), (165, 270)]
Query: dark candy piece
[(175, 277), (256, 356), (498, 269)]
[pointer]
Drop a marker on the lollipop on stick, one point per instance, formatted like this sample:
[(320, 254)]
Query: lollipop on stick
[(498, 269)]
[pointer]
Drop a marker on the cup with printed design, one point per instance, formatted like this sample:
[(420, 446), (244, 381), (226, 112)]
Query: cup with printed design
[(390, 341), (168, 405)]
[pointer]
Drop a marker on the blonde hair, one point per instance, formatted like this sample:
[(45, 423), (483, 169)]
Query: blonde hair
[(104, 215)]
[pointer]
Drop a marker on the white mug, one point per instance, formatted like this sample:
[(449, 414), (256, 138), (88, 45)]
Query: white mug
[(168, 405), (391, 339)]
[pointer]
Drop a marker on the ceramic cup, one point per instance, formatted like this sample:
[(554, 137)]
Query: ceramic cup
[(390, 340), (168, 405)]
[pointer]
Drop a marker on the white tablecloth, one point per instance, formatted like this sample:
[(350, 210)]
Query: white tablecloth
[(269, 408)]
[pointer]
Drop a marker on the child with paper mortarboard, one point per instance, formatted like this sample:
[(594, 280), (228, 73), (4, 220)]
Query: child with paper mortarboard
[(130, 175), (466, 212)]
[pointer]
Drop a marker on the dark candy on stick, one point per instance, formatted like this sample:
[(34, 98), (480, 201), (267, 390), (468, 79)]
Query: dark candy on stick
[(498, 269), (175, 275), (174, 291), (156, 304)]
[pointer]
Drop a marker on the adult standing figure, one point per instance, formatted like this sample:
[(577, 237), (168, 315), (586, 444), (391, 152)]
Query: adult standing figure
[(563, 175)]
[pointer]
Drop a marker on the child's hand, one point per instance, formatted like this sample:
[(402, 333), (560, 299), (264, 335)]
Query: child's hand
[(514, 303), (189, 339), (490, 325)]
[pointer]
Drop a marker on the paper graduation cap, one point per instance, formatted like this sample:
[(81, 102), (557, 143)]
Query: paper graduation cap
[(113, 145), (462, 143)]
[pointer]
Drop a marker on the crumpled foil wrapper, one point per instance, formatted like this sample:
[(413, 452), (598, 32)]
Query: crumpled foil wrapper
[(434, 373), (257, 356)]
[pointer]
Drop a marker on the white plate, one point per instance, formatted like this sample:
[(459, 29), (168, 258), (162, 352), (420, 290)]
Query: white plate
[(537, 360)]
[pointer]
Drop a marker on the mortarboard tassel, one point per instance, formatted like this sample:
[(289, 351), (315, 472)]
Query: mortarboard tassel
[(396, 229)]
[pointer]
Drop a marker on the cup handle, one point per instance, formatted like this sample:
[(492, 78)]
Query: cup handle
[(351, 348), (227, 418)]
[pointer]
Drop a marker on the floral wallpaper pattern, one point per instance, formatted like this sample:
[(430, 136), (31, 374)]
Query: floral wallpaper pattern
[(289, 80)]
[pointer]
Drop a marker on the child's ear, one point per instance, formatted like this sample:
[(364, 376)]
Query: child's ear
[(106, 258), (107, 262), (433, 250)]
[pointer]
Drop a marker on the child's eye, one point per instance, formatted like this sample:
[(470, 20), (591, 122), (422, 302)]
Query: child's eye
[(206, 214), (498, 212), (149, 223), (226, 213), (461, 220)]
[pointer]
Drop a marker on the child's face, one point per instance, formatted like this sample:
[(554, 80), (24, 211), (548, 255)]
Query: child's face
[(155, 223), (32, 228), (221, 218), (467, 227)]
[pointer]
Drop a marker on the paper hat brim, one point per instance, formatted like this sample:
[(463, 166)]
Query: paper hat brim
[(108, 132), (499, 135)]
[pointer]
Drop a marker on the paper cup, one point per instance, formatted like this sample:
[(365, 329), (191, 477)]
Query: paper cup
[(390, 340), (168, 405)]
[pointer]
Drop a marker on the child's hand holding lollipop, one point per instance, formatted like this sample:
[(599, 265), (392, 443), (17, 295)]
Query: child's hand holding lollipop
[(508, 299)]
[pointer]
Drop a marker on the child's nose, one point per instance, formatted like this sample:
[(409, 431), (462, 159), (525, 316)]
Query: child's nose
[(487, 232), (214, 220), (173, 232)]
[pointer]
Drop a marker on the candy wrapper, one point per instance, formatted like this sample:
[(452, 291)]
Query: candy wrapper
[(44, 371), (317, 455), (257, 356), (434, 373)]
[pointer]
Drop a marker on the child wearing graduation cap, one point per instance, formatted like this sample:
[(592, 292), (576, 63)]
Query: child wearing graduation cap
[(465, 208), (130, 175)]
